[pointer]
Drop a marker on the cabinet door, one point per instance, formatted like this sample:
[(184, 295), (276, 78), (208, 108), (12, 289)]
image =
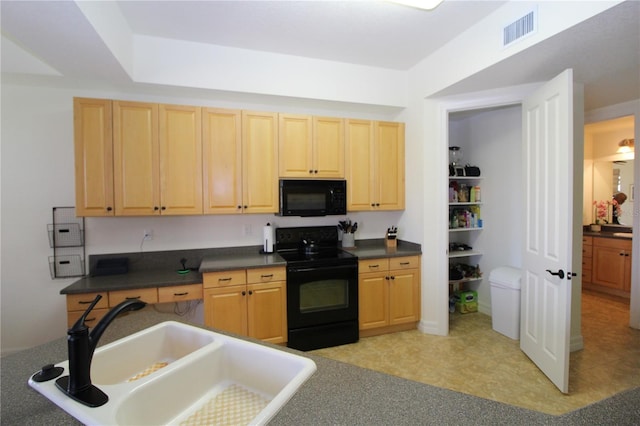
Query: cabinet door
[(373, 300), (179, 293), (267, 311), (260, 162), (608, 267), (93, 145), (627, 270), (222, 161), (136, 158), (389, 164), (180, 160), (328, 147), (225, 308), (404, 296), (359, 161), (295, 153), (148, 295)]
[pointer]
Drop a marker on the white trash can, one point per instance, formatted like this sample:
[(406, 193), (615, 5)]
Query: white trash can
[(505, 301)]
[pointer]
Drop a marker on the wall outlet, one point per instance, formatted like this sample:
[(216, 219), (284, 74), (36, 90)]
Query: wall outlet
[(148, 234), (246, 230)]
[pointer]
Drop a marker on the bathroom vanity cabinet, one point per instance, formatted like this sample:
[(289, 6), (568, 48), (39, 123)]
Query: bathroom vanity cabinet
[(611, 266)]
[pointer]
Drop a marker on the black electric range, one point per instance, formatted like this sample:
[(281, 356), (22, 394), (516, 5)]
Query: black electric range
[(315, 245), (322, 287)]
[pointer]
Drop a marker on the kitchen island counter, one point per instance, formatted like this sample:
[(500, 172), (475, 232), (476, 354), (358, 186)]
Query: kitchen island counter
[(337, 393)]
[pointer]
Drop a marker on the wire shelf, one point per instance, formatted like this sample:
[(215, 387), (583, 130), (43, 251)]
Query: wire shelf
[(66, 266), (65, 235)]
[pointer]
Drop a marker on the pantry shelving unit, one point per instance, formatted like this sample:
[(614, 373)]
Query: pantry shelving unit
[(66, 238), (465, 223)]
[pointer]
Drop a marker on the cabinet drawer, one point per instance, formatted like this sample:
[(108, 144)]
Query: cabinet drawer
[(224, 278), (586, 263), (149, 295), (586, 276), (373, 265), (264, 275), (80, 302), (587, 251), (587, 241), (179, 293), (612, 243), (409, 262), (92, 319)]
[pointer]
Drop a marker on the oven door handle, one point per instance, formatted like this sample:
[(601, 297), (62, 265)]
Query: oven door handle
[(316, 268)]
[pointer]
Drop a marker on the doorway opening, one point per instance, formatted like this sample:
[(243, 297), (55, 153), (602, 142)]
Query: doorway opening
[(609, 170)]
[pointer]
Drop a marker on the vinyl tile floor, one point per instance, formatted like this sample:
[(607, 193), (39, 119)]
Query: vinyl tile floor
[(476, 360)]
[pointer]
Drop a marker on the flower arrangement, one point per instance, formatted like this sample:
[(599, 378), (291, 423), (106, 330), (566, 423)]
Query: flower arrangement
[(602, 213)]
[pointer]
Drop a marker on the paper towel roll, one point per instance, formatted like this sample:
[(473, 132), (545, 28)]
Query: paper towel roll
[(267, 238)]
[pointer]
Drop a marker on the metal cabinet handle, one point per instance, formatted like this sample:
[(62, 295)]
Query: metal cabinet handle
[(133, 298), (266, 276), (224, 279), (181, 294)]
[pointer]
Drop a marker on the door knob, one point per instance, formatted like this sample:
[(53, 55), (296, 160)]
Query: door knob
[(559, 274)]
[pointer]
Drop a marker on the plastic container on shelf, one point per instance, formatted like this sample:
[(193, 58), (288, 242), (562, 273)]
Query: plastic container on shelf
[(505, 300)]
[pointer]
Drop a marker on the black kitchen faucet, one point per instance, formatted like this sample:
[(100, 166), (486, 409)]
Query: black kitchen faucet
[(82, 344)]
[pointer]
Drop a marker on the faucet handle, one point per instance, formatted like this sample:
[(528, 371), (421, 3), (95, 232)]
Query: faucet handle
[(80, 325)]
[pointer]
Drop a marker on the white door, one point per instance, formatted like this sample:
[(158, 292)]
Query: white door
[(545, 325)]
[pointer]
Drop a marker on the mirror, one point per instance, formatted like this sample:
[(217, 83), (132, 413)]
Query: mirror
[(610, 177), (605, 170)]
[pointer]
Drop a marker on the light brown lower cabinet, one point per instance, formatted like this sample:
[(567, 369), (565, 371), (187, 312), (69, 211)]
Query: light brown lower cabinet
[(611, 270), (389, 294), (78, 303), (250, 302)]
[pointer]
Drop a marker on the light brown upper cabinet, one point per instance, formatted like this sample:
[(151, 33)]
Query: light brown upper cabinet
[(259, 162), (222, 160), (157, 159), (93, 157), (375, 165), (311, 147)]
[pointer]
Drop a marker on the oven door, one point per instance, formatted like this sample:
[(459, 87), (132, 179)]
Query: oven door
[(321, 295)]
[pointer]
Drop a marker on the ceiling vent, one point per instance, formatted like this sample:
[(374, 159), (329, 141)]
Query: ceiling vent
[(520, 28)]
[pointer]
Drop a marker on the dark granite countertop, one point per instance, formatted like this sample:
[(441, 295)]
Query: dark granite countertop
[(159, 269), (336, 394), (131, 280), (622, 232), (375, 248), (603, 234), (243, 261)]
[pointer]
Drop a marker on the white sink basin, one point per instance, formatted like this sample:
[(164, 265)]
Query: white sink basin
[(623, 234), (173, 373)]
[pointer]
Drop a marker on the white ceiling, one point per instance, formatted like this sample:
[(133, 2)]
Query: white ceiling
[(55, 38)]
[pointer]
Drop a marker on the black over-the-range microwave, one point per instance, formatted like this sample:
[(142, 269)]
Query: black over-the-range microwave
[(306, 197)]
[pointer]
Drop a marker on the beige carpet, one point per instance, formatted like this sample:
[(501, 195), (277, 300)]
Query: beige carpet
[(478, 361)]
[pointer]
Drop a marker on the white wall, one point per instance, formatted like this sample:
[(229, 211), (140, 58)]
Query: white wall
[(37, 174), (631, 108)]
